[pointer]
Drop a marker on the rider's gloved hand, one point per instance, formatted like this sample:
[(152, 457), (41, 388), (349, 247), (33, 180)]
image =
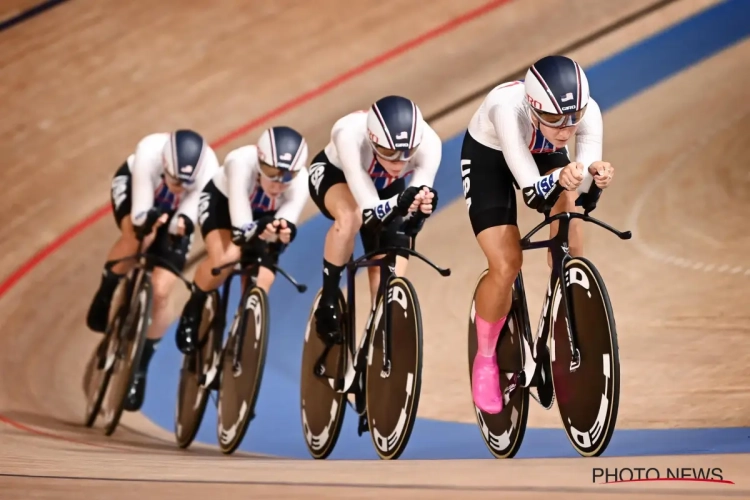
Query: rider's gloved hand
[(185, 226), (414, 221), (406, 200), (244, 235), (429, 201), (287, 230), (180, 242), (152, 217), (544, 193)]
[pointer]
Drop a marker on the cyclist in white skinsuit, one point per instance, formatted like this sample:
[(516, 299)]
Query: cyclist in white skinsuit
[(359, 178), (250, 209), (166, 174), (518, 136)]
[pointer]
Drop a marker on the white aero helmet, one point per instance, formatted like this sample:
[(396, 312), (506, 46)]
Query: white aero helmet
[(282, 152), (182, 154), (557, 91), (394, 128)]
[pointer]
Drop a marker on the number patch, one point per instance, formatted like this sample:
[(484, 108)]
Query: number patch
[(544, 186), (383, 209)]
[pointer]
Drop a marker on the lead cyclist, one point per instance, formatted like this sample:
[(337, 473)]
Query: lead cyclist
[(518, 137)]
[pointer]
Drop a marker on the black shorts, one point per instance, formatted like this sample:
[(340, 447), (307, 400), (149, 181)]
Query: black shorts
[(213, 213), (163, 244), (489, 186), (323, 175)]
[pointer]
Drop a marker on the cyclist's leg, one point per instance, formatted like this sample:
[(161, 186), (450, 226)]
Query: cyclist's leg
[(219, 250), (373, 275), (266, 277), (330, 193), (388, 238), (162, 282), (216, 229), (491, 200), (269, 257), (566, 203), (265, 254), (126, 244)]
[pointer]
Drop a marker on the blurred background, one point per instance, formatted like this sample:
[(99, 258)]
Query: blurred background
[(82, 81)]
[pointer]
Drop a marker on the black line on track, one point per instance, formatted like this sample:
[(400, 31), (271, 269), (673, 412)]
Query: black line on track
[(29, 13), (590, 490)]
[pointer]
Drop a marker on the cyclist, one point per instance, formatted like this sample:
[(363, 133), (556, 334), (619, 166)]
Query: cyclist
[(154, 199), (249, 210), (518, 136), (360, 176)]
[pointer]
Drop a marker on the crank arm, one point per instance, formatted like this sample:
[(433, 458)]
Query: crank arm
[(363, 426), (526, 375)]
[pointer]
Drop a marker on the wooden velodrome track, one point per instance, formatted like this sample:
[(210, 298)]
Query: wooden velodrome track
[(82, 82)]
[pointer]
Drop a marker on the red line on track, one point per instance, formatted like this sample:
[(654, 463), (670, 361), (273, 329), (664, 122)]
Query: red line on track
[(37, 432)]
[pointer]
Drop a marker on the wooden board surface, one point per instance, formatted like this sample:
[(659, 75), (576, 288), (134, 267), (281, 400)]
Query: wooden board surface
[(83, 82)]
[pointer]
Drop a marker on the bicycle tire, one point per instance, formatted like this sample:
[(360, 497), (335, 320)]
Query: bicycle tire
[(390, 424), (189, 416), (243, 395), (576, 387), (322, 409), (135, 340), (503, 432)]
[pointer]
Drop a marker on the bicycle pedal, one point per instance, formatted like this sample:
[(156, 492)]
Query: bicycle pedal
[(363, 425), (331, 339), (575, 361), (546, 391)]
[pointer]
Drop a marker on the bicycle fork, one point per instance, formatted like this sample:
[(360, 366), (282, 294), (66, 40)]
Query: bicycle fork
[(533, 368)]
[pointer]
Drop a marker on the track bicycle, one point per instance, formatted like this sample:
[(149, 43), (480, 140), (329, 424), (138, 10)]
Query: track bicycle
[(383, 374), (574, 355), (114, 362), (234, 370)]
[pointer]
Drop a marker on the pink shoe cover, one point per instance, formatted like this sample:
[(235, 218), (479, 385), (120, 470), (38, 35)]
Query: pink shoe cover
[(485, 374), (485, 384)]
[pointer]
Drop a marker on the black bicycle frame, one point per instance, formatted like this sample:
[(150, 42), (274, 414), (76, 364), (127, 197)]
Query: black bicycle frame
[(142, 269), (251, 273), (558, 246), (387, 265)]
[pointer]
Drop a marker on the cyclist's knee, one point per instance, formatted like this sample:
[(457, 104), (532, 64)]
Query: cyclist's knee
[(222, 255), (566, 202), (504, 268), (127, 231), (161, 285), (348, 222), (219, 248)]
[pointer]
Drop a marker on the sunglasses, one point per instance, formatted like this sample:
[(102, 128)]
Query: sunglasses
[(394, 154), (555, 120), (276, 174), (176, 180)]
